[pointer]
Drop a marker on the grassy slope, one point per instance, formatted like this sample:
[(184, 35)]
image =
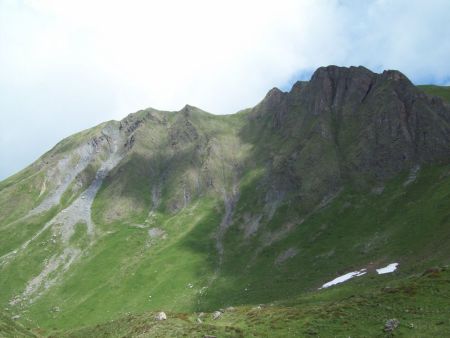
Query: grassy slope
[(122, 271), (125, 268), (358, 308), (410, 226), (441, 91), (11, 329), (125, 261)]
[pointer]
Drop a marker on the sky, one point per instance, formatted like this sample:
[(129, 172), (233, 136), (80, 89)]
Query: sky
[(67, 65)]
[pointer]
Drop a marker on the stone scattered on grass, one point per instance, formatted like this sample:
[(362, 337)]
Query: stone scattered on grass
[(56, 309), (157, 233), (15, 317), (216, 315), (391, 325), (160, 316)]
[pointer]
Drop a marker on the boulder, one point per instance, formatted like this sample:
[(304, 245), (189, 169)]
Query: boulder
[(161, 316), (56, 309), (391, 325)]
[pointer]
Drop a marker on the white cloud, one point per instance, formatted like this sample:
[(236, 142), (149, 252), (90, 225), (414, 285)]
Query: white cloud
[(69, 64)]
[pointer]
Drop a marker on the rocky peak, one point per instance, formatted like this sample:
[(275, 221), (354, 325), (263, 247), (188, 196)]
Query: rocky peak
[(377, 124), (189, 110), (331, 87), (273, 103), (298, 87), (336, 73), (274, 93), (394, 75)]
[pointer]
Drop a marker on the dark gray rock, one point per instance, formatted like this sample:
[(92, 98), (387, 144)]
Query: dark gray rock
[(391, 325)]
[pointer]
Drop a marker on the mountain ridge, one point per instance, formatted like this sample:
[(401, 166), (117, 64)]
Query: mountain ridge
[(190, 211)]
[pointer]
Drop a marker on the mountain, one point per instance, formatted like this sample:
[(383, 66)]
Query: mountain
[(188, 212)]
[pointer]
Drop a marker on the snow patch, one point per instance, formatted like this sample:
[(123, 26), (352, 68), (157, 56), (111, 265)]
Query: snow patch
[(387, 269), (344, 278)]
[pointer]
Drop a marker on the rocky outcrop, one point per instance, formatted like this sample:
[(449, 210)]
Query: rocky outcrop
[(381, 122), (347, 125)]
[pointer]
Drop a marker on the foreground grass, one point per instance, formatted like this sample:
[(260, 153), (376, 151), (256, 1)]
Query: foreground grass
[(358, 308), (9, 328), (126, 271)]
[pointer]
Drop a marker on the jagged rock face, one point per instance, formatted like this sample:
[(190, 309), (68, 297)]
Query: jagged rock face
[(333, 88), (351, 124)]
